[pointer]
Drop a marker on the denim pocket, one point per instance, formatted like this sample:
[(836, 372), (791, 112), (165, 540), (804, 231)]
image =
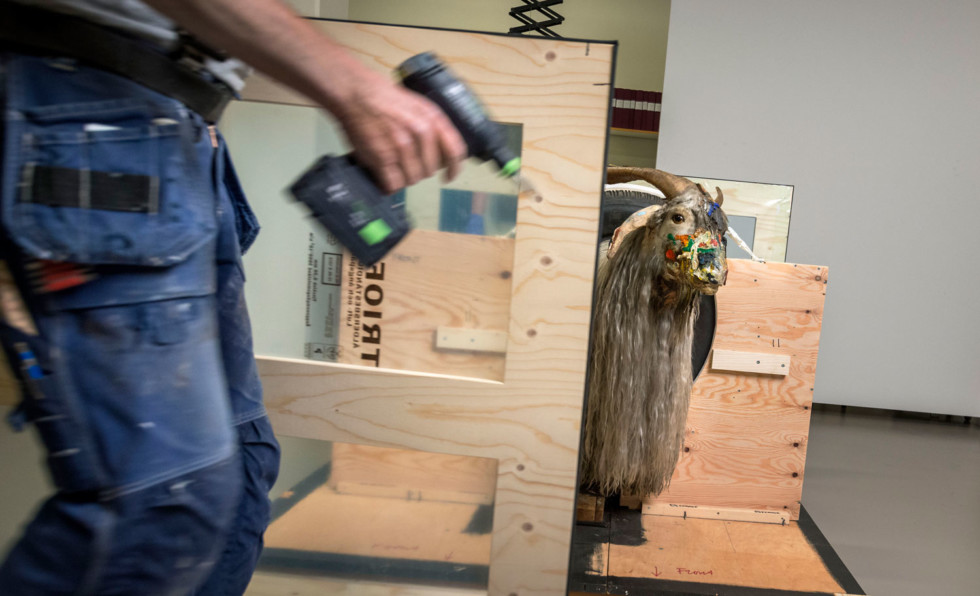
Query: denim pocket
[(113, 182), (246, 223)]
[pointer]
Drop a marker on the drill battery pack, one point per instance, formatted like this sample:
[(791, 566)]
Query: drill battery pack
[(343, 198)]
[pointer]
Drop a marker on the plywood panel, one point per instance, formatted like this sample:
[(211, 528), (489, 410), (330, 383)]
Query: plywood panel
[(529, 420), (763, 556), (391, 311), (747, 433), (329, 522), (413, 475)]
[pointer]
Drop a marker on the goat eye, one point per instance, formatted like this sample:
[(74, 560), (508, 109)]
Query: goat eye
[(677, 218)]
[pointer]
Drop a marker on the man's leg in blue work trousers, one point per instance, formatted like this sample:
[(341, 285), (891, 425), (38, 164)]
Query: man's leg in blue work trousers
[(124, 370), (102, 411), (258, 446)]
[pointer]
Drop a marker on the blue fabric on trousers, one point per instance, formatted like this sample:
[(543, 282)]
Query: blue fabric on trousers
[(141, 380)]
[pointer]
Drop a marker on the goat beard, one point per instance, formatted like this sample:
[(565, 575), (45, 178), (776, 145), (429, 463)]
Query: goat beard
[(640, 372)]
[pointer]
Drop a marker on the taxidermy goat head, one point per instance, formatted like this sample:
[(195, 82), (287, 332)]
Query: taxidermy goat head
[(648, 287)]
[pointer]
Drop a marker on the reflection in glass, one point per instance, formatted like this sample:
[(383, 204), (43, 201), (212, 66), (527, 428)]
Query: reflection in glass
[(438, 303), (343, 510)]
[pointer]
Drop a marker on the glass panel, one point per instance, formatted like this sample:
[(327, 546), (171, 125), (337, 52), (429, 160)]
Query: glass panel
[(388, 515), (744, 226), (438, 303)]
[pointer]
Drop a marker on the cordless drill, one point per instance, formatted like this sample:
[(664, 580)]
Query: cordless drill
[(345, 199)]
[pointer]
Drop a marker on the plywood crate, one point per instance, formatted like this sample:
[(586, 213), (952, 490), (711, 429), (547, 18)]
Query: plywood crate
[(745, 449), (731, 517), (485, 340)]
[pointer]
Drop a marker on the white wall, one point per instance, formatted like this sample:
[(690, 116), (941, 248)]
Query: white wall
[(871, 109)]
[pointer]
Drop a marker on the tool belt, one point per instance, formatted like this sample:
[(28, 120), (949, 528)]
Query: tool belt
[(34, 31)]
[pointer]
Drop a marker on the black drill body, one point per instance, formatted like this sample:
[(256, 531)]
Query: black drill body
[(342, 195)]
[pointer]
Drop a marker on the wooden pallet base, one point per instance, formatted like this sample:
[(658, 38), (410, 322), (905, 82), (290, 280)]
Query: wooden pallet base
[(320, 537), (762, 516), (666, 555), (415, 539)]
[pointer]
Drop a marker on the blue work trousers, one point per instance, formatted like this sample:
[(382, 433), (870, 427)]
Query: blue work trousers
[(123, 226)]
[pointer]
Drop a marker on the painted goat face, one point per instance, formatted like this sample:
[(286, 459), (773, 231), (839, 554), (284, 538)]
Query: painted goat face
[(691, 234), (688, 231)]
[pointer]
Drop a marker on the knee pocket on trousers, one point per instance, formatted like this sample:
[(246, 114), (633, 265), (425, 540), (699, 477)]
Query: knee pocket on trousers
[(167, 537)]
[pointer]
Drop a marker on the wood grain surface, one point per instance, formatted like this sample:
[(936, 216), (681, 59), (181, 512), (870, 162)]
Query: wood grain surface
[(529, 418), (750, 362), (589, 508), (431, 279), (760, 516), (747, 433), (326, 521), (764, 556), (412, 475)]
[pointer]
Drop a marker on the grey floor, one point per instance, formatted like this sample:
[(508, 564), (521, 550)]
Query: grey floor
[(897, 497), (899, 500)]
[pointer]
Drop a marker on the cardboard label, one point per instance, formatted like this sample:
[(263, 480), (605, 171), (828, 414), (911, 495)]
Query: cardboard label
[(324, 274)]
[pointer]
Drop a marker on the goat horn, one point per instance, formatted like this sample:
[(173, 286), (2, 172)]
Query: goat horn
[(704, 191), (668, 184)]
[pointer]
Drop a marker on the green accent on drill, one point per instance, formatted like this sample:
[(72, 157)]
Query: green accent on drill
[(375, 232), (511, 167)]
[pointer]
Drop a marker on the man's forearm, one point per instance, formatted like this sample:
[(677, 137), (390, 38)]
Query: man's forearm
[(269, 36)]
